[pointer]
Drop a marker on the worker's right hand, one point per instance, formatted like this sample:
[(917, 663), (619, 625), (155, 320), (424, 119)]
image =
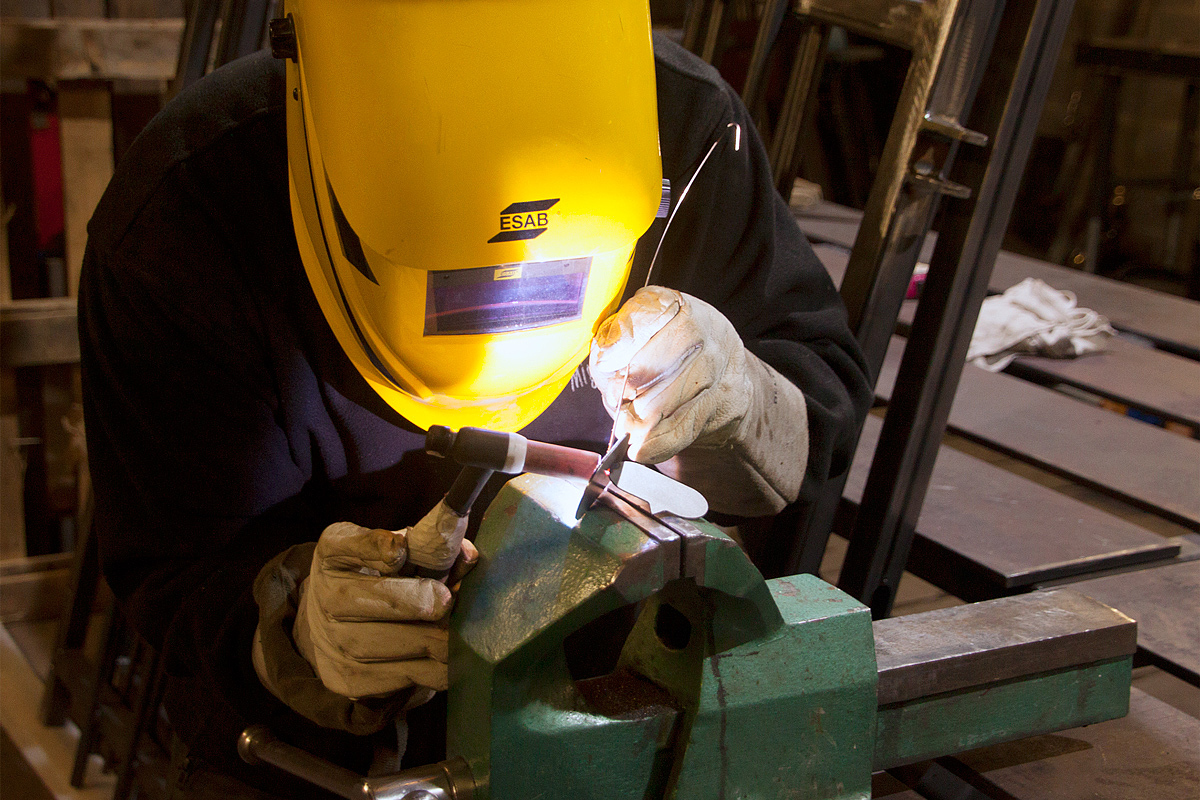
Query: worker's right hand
[(366, 630), (344, 636)]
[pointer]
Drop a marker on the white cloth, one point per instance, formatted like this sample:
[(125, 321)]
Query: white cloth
[(1035, 319)]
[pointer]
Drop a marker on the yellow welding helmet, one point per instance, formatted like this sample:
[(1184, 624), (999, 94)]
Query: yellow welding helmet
[(468, 181)]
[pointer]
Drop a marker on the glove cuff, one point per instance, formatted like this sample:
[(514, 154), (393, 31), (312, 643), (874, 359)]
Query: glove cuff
[(285, 672), (758, 469)]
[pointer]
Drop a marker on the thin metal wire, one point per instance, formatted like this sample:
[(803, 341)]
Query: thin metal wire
[(737, 145)]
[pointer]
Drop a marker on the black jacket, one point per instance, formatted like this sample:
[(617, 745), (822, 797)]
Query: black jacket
[(225, 424)]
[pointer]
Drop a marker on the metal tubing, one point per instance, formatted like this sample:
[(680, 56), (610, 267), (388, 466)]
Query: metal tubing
[(899, 210), (768, 30), (196, 44), (244, 23), (510, 453), (883, 257), (714, 31), (258, 745), (798, 105), (446, 780)]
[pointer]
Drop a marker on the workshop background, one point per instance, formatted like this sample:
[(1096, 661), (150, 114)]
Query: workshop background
[(1112, 188)]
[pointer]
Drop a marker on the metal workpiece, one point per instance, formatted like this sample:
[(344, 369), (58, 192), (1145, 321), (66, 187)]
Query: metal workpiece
[(602, 477), (446, 780), (996, 640)]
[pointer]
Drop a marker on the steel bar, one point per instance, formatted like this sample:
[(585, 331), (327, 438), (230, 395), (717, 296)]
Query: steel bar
[(1165, 601), (196, 45), (258, 745), (446, 780), (1022, 63), (799, 101), (768, 29), (994, 641), (713, 31), (900, 22), (243, 28)]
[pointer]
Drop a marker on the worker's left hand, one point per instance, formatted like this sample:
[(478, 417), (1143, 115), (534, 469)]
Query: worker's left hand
[(686, 369), (675, 376)]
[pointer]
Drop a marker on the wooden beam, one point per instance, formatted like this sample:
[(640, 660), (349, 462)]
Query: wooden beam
[(12, 487), (81, 48), (34, 595), (27, 564), (38, 331), (85, 126)]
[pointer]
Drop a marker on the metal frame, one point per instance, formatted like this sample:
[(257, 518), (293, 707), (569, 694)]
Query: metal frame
[(953, 62), (1028, 37), (949, 41), (242, 31)]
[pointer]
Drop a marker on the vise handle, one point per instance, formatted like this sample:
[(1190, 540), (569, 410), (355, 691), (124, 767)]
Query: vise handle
[(446, 780)]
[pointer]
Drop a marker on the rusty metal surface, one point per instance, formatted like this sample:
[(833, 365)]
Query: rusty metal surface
[(1162, 383), (1152, 754), (1170, 321), (38, 332), (1165, 601), (993, 641), (897, 21), (1141, 464), (984, 531)]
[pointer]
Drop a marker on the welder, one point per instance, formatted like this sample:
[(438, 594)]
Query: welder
[(409, 214)]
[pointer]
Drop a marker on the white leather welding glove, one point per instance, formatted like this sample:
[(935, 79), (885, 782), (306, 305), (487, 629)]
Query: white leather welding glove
[(675, 375), (366, 631)]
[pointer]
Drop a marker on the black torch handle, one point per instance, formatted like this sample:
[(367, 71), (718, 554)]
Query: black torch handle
[(466, 489)]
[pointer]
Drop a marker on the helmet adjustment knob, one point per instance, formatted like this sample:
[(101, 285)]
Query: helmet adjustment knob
[(282, 32)]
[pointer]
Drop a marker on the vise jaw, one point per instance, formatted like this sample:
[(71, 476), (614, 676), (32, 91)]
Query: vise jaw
[(725, 686)]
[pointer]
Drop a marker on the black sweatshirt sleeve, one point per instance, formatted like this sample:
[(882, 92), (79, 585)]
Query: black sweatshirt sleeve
[(195, 479), (735, 245)]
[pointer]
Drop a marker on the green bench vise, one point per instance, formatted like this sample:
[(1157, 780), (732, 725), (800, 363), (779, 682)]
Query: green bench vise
[(723, 685)]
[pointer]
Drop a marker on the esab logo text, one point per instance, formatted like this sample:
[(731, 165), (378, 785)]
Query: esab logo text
[(527, 220)]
